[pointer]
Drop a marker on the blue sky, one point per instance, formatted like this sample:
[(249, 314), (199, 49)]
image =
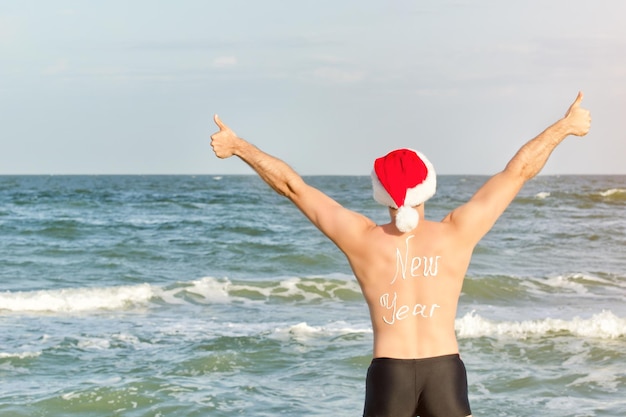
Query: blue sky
[(129, 87)]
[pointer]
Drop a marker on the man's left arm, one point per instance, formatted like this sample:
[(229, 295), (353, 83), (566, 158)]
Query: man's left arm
[(477, 216), (339, 224)]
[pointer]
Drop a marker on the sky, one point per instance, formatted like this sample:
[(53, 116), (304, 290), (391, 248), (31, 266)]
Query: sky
[(130, 87)]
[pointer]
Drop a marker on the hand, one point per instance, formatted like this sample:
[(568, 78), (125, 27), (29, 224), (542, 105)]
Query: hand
[(223, 142), (577, 118)]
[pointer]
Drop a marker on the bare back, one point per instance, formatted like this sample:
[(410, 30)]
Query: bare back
[(412, 282)]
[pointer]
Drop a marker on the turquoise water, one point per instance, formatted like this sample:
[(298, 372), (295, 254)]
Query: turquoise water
[(212, 296)]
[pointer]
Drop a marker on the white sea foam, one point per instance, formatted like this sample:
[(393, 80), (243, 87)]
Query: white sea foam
[(307, 289), (93, 343), (19, 355), (566, 282), (207, 290), (542, 195), (76, 299), (210, 289), (68, 396), (109, 341), (223, 290), (303, 332), (605, 377), (612, 191), (576, 284), (604, 325)]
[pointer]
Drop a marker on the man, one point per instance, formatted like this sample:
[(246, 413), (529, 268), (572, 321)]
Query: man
[(410, 270)]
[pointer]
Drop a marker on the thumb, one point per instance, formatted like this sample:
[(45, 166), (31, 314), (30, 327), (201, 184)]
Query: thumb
[(219, 123), (575, 104)]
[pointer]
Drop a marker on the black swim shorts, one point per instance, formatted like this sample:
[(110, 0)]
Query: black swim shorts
[(430, 387)]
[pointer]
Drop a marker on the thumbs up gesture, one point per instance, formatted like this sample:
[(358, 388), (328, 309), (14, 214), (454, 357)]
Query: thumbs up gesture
[(578, 119), (225, 141)]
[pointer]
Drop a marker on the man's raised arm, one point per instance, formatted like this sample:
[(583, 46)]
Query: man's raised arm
[(475, 218), (532, 157), (342, 226), (276, 173)]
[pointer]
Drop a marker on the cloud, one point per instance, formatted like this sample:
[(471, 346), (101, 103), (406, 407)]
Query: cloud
[(224, 62), (9, 28), (337, 75), (62, 69), (123, 74), (68, 12), (329, 59), (59, 67), (437, 92)]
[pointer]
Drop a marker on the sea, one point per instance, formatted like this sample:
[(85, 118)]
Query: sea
[(154, 296)]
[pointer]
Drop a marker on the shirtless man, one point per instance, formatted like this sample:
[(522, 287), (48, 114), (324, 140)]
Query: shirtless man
[(410, 270)]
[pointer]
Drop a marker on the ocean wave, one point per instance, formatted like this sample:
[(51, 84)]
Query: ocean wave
[(615, 195), (582, 282), (604, 325), (69, 300), (202, 291), (299, 289), (503, 288), (610, 195), (19, 355), (303, 332), (303, 290), (291, 289), (614, 192)]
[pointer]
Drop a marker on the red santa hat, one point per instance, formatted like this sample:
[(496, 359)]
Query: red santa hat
[(403, 179)]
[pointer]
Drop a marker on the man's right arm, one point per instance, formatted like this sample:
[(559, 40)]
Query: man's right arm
[(475, 218), (343, 226)]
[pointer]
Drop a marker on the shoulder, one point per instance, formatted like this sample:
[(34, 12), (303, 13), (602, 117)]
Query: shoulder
[(345, 227), (472, 220)]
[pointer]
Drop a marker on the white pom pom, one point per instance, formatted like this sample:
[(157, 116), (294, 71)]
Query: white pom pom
[(407, 219)]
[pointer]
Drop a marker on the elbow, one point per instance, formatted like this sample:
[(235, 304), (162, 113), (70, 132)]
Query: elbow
[(525, 173), (292, 187), (521, 168), (520, 172)]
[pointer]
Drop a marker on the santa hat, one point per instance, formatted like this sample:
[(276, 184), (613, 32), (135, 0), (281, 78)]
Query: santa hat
[(403, 179)]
